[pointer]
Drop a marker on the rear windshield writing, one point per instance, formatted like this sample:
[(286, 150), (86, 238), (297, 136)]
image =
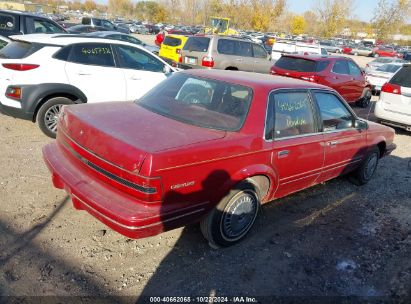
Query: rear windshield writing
[(96, 51), (402, 78), (171, 41), (7, 22), (197, 44)]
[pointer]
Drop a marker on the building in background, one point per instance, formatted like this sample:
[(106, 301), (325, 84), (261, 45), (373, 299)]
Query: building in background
[(26, 6)]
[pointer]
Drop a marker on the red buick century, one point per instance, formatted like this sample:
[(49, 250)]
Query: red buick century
[(209, 146)]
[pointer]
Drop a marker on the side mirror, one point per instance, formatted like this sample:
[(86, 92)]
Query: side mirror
[(361, 124), (167, 70)]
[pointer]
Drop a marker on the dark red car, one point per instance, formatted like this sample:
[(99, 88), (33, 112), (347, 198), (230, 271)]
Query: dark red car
[(208, 146), (340, 73), (385, 52)]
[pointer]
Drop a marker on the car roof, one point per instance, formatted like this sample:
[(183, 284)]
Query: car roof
[(256, 81), (316, 57), (21, 13), (64, 39), (105, 33)]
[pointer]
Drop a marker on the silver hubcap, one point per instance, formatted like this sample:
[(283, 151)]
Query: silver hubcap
[(51, 117), (239, 215), (370, 166)]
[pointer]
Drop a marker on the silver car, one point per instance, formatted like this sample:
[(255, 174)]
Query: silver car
[(376, 63), (224, 53), (382, 74)]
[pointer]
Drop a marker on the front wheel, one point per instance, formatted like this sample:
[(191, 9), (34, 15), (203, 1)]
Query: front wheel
[(48, 114), (231, 220), (365, 172)]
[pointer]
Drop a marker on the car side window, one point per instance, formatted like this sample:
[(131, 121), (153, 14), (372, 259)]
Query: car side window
[(290, 114), (341, 67), (107, 24), (244, 49), (92, 54), (226, 46), (259, 51), (354, 69), (41, 26), (136, 59), (334, 113)]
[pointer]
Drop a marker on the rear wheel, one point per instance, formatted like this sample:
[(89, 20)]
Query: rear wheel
[(48, 114), (365, 172), (231, 220), (365, 100)]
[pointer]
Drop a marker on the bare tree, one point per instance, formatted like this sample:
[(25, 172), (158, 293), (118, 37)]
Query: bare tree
[(332, 15)]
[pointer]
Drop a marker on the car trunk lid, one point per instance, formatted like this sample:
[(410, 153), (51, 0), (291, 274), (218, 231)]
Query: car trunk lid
[(124, 133)]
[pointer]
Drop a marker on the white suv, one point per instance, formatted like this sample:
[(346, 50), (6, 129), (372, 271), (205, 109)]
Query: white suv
[(394, 106), (40, 73)]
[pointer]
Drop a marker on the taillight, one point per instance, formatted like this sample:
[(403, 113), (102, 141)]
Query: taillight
[(20, 66), (207, 62), (13, 92), (178, 51), (391, 88), (272, 71), (180, 58)]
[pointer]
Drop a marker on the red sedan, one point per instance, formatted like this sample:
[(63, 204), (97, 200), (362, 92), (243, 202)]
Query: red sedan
[(208, 146), (385, 52)]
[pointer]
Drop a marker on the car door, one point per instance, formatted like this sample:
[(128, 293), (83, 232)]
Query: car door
[(344, 144), (357, 80), (244, 56), (261, 62), (91, 68), (297, 152), (340, 79), (141, 70)]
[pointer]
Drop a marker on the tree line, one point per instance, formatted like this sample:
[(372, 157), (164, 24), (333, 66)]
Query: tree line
[(327, 18)]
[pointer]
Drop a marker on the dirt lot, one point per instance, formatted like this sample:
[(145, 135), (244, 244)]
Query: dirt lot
[(335, 239)]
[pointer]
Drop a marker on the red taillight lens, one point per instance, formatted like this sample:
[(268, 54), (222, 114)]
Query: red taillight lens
[(20, 66), (13, 92), (207, 62), (180, 58), (391, 88)]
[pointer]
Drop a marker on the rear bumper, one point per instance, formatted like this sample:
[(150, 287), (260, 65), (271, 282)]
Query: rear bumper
[(121, 212), (15, 112), (392, 118)]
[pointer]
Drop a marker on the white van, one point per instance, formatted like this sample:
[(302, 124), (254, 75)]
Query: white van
[(293, 47)]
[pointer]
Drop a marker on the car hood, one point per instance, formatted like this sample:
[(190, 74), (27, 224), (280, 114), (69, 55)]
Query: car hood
[(123, 133)]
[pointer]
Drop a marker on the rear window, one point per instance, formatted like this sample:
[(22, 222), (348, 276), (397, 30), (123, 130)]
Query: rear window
[(403, 77), (19, 49), (7, 22), (171, 41), (200, 101), (301, 65), (197, 44), (390, 68)]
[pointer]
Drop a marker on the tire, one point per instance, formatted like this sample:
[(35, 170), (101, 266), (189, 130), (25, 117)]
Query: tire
[(366, 170), (48, 114), (233, 217), (365, 101)]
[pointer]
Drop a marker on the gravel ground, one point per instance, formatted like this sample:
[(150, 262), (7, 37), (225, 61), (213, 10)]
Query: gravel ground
[(335, 239)]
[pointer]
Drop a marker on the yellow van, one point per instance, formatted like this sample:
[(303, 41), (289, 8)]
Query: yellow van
[(170, 49)]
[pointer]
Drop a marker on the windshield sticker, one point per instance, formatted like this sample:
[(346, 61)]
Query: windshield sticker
[(287, 106), (96, 51)]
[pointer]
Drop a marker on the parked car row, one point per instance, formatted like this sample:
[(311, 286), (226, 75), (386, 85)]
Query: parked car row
[(40, 73)]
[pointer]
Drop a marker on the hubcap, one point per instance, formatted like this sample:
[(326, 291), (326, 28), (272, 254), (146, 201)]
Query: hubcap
[(239, 215), (51, 117), (370, 166)]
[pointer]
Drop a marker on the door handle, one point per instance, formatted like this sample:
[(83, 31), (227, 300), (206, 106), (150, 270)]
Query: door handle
[(239, 59), (333, 143), (135, 78), (283, 153)]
